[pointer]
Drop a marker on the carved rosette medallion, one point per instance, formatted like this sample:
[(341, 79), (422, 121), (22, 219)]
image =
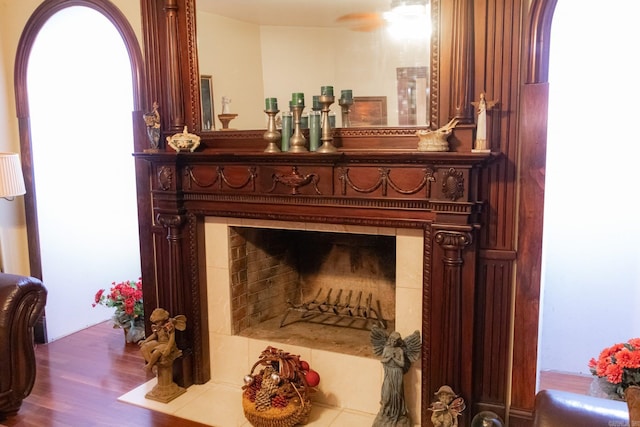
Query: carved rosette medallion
[(165, 178), (453, 184)]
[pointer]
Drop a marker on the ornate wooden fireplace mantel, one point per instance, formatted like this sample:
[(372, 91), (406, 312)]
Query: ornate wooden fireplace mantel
[(436, 192)]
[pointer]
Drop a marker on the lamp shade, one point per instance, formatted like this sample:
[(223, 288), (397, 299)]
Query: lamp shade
[(11, 179)]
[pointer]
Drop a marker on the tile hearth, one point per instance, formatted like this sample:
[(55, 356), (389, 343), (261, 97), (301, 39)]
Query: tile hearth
[(220, 406)]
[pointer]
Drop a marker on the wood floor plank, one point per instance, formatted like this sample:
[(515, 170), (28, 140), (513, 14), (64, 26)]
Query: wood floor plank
[(79, 379)]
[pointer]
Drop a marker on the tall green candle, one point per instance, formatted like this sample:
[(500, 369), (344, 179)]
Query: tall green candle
[(346, 95), (316, 103), (271, 104), (297, 98)]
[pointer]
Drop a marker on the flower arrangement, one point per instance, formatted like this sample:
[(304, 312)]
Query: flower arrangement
[(126, 297), (618, 367)]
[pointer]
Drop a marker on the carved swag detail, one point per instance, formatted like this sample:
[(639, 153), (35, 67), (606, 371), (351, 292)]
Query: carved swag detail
[(385, 181)]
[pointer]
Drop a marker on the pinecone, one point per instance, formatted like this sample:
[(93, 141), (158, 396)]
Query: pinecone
[(268, 389)]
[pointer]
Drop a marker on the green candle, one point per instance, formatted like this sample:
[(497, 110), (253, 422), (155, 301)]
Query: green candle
[(271, 104), (346, 95), (316, 103), (326, 91), (297, 98)]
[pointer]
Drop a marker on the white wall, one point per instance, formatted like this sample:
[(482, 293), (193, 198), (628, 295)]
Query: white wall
[(250, 63), (591, 229)]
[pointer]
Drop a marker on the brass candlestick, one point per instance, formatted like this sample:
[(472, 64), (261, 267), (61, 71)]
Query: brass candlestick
[(297, 141), (345, 104), (271, 135), (327, 136)]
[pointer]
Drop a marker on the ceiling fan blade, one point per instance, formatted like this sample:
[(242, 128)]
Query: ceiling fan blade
[(364, 21)]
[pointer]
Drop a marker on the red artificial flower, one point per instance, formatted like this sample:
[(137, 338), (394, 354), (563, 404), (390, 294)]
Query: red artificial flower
[(619, 365)]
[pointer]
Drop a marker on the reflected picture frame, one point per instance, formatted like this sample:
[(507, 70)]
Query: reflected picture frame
[(206, 103), (368, 111)]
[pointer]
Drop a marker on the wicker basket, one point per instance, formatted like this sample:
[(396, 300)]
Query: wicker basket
[(292, 414), (278, 394)]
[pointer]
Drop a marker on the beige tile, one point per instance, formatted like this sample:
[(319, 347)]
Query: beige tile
[(219, 405), (347, 381), (409, 258), (137, 397), (408, 310), (218, 300), (353, 419), (229, 359), (215, 231)]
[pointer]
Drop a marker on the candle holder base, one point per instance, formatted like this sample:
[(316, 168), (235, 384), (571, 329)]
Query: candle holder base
[(272, 135)]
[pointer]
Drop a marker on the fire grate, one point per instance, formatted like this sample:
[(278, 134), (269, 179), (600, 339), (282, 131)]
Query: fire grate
[(333, 312)]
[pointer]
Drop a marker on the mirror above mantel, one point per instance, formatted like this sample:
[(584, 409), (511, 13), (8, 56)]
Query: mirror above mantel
[(254, 49)]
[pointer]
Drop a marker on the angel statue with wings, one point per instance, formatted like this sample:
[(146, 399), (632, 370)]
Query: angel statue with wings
[(397, 355)]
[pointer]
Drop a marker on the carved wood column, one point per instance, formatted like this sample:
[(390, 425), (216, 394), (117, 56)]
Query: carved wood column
[(173, 224), (175, 98), (451, 364), (172, 297), (462, 65)]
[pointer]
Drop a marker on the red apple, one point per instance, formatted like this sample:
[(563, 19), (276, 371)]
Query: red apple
[(313, 378)]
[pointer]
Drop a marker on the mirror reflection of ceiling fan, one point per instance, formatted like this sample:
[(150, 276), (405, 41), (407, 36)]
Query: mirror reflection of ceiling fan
[(401, 12)]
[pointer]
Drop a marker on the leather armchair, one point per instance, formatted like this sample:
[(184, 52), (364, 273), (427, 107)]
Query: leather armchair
[(555, 408), (22, 301)]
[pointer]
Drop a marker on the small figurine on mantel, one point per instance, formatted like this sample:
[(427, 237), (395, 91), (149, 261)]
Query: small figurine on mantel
[(226, 105), (159, 350), (481, 145), (152, 120), (447, 408), (397, 357)]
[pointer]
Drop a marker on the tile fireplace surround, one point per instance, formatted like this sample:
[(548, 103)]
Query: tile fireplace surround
[(349, 391)]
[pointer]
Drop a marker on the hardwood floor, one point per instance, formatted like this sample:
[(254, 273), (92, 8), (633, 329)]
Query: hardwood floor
[(566, 382), (79, 379), (81, 376)]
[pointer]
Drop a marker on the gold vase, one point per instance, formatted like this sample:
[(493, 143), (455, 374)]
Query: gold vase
[(632, 396)]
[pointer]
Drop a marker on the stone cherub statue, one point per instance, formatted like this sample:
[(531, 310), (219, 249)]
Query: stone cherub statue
[(446, 408), (397, 357), (159, 350)]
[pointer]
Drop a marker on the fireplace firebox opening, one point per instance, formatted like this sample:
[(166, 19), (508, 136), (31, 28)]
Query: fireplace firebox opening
[(314, 289)]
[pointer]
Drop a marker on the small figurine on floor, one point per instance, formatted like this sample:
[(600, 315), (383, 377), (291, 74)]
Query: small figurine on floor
[(160, 350), (397, 357), (447, 408)]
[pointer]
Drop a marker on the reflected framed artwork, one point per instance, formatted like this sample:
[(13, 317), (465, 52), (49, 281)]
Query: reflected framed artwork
[(368, 111), (206, 101)]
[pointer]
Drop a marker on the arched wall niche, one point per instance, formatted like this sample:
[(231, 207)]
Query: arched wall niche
[(36, 21)]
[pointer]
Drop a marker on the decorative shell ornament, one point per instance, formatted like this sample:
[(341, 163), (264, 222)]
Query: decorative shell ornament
[(436, 140), (184, 141)]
